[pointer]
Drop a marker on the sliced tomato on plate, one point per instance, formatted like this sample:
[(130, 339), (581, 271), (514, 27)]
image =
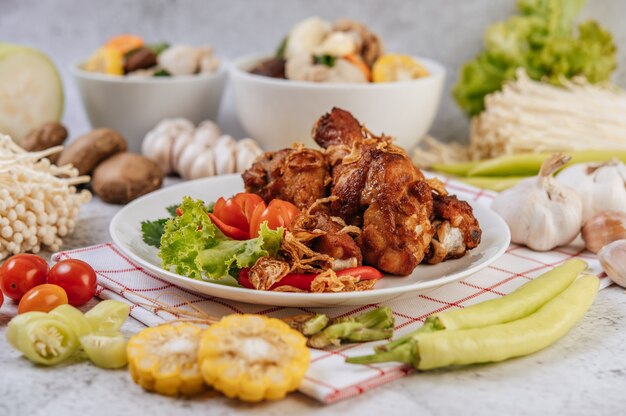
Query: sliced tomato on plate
[(278, 213), (241, 216)]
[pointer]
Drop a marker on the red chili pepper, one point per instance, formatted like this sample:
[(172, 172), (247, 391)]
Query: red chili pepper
[(362, 272), (229, 231), (303, 280), (179, 212), (244, 278)]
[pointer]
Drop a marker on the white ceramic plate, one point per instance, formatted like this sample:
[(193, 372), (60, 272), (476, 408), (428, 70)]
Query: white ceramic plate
[(125, 230)]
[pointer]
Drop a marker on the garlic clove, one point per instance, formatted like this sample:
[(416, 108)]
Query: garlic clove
[(224, 154), (174, 126), (203, 165), (604, 228), (247, 152), (187, 157), (180, 144), (158, 142), (158, 148), (207, 133), (612, 258)]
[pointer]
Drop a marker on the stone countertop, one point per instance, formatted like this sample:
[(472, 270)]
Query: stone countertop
[(582, 374)]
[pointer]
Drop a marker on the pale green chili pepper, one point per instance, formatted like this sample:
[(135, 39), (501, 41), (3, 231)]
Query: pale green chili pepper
[(528, 164), (524, 336), (492, 183), (522, 302), (459, 169)]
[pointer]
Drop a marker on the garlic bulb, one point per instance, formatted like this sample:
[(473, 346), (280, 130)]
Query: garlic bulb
[(604, 228), (601, 186), (157, 145), (613, 261), (541, 212), (197, 153)]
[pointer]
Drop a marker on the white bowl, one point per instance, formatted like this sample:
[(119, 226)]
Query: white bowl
[(279, 112), (134, 105)]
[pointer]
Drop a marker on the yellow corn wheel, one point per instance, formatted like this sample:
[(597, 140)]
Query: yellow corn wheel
[(253, 358), (164, 359), (106, 60), (394, 67)]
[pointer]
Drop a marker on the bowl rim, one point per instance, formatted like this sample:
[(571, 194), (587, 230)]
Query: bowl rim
[(78, 72), (236, 69)]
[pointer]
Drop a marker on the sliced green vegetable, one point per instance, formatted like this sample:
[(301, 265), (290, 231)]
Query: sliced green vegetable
[(106, 349), (327, 60), (161, 73), (373, 325), (520, 303), (108, 315), (18, 323), (74, 318), (428, 350), (46, 341)]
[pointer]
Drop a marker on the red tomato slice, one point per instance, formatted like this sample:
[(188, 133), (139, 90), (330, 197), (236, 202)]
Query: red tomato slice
[(236, 212), (248, 202), (229, 231), (278, 213)]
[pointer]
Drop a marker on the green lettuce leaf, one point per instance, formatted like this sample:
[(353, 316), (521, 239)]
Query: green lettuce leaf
[(185, 237), (192, 246), (542, 40), (227, 255)]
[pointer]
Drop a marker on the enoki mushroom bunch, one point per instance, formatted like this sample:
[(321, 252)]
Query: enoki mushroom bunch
[(38, 200), (530, 116)]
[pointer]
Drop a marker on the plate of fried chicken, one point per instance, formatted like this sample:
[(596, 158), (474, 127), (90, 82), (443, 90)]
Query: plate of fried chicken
[(362, 202)]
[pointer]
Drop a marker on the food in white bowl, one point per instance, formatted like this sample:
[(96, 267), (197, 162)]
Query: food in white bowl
[(345, 51), (133, 105), (130, 55), (319, 65), (277, 112)]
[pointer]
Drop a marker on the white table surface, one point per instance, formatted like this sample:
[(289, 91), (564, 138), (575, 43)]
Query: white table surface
[(582, 374)]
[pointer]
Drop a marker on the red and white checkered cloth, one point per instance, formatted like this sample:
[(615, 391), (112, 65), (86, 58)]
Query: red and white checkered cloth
[(329, 378)]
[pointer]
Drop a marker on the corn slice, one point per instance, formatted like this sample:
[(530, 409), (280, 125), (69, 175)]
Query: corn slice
[(253, 358), (164, 359)]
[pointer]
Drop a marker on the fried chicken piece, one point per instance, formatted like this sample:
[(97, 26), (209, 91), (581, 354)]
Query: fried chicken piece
[(328, 235), (406, 219), (378, 188), (456, 229), (298, 175)]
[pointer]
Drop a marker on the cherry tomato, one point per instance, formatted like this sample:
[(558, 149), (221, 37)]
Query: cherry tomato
[(42, 298), (229, 231), (232, 216), (278, 213), (77, 278), (22, 272)]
